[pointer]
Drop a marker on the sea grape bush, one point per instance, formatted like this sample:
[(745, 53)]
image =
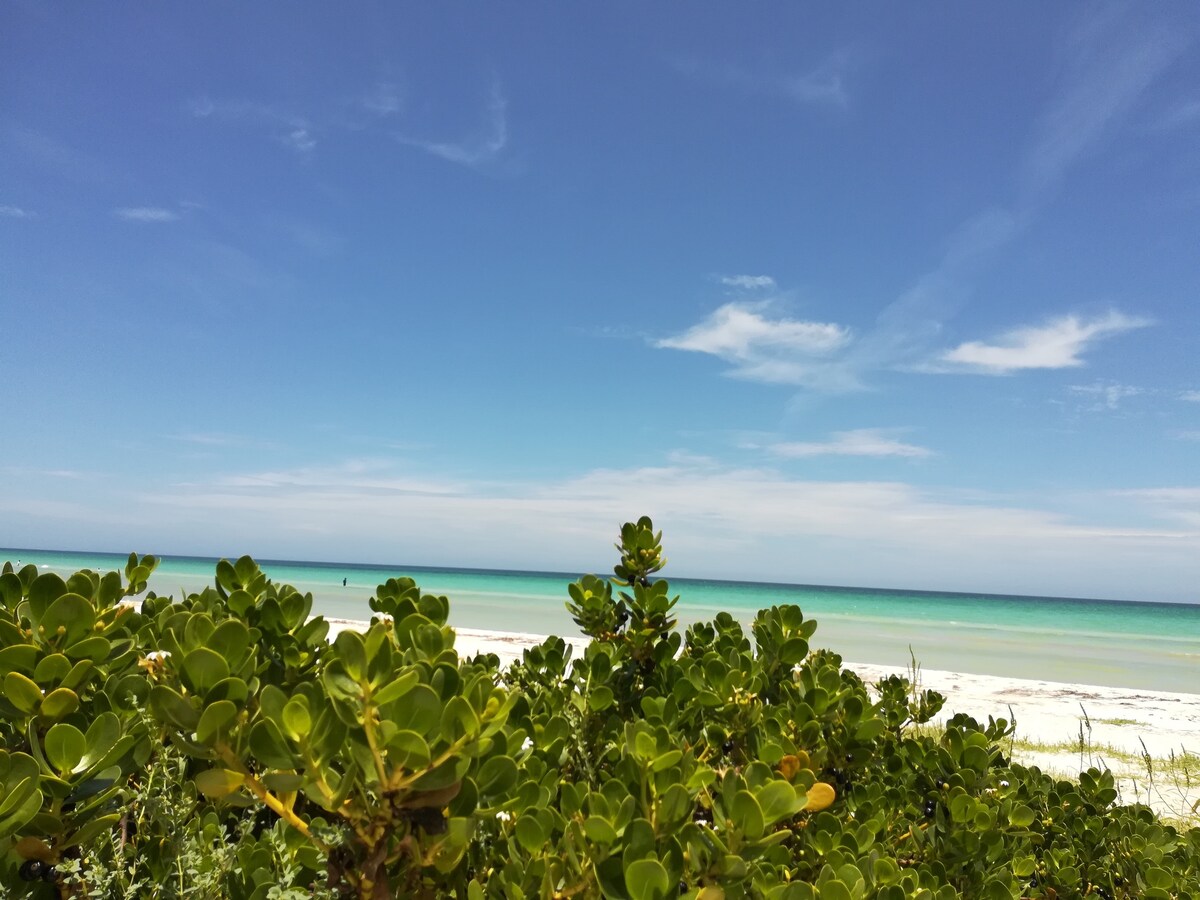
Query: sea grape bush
[(220, 745)]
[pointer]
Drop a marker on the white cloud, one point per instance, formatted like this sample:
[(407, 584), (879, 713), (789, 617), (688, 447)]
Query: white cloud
[(145, 214), (738, 330), (1186, 435), (291, 131), (13, 212), (773, 350), (1104, 395), (1180, 504), (476, 150), (749, 282), (720, 522), (858, 442), (1055, 345), (299, 139), (1190, 396), (384, 100)]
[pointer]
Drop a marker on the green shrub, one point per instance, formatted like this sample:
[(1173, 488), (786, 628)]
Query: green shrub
[(219, 745)]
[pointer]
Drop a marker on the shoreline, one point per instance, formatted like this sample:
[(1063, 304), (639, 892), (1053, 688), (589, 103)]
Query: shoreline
[(1061, 727)]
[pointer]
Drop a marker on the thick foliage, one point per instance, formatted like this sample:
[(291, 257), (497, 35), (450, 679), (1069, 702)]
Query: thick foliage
[(221, 746)]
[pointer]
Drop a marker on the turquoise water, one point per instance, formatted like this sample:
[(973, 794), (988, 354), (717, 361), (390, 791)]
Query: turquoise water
[(1153, 646)]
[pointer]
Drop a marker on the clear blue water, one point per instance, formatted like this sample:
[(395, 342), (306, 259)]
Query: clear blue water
[(1146, 645)]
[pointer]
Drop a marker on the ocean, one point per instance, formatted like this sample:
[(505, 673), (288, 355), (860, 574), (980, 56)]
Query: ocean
[(1152, 646)]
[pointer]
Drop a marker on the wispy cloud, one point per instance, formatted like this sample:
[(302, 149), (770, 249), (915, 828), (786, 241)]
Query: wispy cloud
[(1180, 115), (384, 100), (1185, 435), (823, 85), (480, 148), (145, 214), (749, 282), (70, 474), (776, 350), (210, 439), (1108, 65), (13, 212), (351, 478), (1104, 396), (1190, 396), (299, 139), (1058, 344), (288, 129), (876, 442)]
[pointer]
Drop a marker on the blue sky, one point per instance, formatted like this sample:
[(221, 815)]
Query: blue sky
[(886, 295)]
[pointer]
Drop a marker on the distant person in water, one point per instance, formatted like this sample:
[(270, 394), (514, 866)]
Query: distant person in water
[(343, 582)]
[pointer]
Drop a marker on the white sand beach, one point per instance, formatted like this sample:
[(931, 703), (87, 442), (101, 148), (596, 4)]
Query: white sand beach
[(1061, 728)]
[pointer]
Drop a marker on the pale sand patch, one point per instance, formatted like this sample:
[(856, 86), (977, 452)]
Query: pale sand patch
[(1125, 720)]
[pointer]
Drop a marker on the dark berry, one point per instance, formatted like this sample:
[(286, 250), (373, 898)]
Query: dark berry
[(31, 869), (727, 747)]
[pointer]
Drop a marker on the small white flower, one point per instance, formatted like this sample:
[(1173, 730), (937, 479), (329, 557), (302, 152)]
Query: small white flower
[(158, 654), (527, 744), (503, 816), (1003, 784)]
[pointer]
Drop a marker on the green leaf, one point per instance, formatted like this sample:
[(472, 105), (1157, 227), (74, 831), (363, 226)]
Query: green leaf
[(350, 648), (20, 805), (282, 782), (793, 651), (59, 704), (496, 776), (213, 720), (748, 815), (647, 879), (68, 619), (169, 707), (22, 692), (231, 688), (1023, 866), (1021, 816), (600, 698), (203, 668), (778, 800), (408, 749), (269, 746), (666, 760), (297, 719), (64, 746), (19, 658), (95, 648), (599, 830), (835, 890), (93, 828), (230, 640), (459, 719), (43, 591), (396, 688), (420, 709), (102, 734), (530, 834), (79, 672), (217, 783)]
